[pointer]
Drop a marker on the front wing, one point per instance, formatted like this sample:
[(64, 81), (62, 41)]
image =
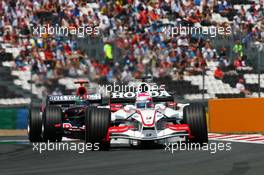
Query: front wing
[(128, 132)]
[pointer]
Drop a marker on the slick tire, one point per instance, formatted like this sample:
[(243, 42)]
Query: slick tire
[(34, 124), (194, 115), (97, 121), (52, 124)]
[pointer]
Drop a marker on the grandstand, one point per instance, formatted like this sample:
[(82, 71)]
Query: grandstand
[(33, 66)]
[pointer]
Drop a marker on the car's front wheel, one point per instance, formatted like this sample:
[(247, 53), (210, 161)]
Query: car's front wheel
[(194, 115)]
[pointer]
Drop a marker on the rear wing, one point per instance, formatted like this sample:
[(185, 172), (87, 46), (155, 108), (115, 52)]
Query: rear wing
[(71, 99)]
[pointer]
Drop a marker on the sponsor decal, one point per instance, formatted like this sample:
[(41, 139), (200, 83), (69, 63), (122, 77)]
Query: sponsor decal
[(73, 97), (94, 97), (62, 97), (134, 94)]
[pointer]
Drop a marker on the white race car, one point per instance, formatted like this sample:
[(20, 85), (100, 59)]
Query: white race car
[(147, 117)]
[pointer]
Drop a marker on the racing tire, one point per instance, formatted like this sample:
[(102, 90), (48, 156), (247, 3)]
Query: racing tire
[(97, 121), (34, 126), (194, 115), (52, 124)]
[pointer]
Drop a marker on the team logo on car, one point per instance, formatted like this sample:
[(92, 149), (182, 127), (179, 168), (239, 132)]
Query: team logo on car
[(133, 94)]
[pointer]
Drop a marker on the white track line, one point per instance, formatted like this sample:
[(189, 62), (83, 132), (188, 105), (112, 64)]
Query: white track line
[(2, 141), (244, 138), (240, 141)]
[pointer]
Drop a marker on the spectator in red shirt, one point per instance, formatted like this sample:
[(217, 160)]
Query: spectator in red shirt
[(67, 49), (153, 15), (218, 73), (48, 54), (143, 17), (238, 63), (7, 37)]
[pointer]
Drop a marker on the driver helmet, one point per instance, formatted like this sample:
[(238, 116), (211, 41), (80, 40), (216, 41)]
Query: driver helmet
[(81, 96), (144, 100), (81, 100)]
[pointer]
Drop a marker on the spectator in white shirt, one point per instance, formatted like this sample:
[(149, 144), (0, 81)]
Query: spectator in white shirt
[(241, 87)]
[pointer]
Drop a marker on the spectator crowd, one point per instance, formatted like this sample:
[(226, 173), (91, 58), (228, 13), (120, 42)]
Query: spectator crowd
[(133, 26)]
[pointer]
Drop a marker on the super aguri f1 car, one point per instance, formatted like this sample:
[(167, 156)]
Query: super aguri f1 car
[(153, 117)]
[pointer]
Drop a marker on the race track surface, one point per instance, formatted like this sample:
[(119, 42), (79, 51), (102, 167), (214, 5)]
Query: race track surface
[(18, 158)]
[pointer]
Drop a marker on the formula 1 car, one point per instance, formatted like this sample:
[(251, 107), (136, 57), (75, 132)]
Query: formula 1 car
[(155, 118), (146, 117), (63, 115)]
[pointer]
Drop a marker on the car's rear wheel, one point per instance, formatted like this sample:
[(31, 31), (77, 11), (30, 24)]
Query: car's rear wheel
[(34, 124), (52, 124), (194, 115), (97, 121)]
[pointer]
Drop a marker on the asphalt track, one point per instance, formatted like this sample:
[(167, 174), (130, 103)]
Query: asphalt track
[(19, 158)]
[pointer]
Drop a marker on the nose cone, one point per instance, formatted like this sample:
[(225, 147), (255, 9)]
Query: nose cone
[(148, 117)]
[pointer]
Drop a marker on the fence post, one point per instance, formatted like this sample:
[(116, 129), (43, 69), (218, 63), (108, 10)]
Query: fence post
[(31, 82), (203, 83), (259, 88)]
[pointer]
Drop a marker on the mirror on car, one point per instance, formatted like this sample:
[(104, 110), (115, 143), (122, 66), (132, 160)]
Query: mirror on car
[(160, 106)]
